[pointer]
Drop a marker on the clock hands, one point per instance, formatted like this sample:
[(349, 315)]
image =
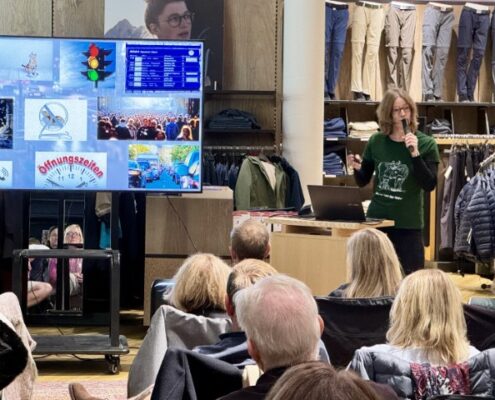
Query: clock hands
[(82, 184), (54, 183)]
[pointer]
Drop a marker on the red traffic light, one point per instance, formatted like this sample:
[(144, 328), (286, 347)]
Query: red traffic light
[(93, 50)]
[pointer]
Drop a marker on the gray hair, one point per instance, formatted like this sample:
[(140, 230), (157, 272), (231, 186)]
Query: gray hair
[(279, 314)]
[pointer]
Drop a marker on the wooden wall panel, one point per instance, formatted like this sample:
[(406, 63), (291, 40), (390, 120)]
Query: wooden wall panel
[(249, 44), (78, 18), (484, 88), (26, 17)]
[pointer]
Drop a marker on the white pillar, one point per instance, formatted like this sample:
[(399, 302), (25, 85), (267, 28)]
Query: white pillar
[(303, 75)]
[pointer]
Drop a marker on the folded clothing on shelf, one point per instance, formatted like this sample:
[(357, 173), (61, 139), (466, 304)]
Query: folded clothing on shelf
[(233, 119), (440, 126), (333, 164), (334, 128)]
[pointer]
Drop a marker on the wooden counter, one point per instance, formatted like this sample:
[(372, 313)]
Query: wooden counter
[(314, 251)]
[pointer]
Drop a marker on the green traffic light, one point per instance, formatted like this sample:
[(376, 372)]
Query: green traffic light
[(92, 75)]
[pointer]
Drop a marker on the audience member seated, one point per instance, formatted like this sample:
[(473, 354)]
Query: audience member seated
[(73, 238), (52, 237), (37, 289), (232, 346), (428, 352), (315, 380), (21, 387), (373, 267), (250, 239), (283, 328), (356, 314), (196, 317), (200, 285)]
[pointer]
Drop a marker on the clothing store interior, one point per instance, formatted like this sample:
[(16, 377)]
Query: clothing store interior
[(247, 199)]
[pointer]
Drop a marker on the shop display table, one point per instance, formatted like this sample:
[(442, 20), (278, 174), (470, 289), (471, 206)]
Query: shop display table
[(314, 251)]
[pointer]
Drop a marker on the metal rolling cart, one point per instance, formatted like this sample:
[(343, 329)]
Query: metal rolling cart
[(112, 346)]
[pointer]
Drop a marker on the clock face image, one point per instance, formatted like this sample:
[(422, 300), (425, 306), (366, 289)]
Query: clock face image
[(70, 171), (70, 176)]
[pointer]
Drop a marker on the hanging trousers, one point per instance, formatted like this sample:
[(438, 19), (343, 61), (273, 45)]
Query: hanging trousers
[(367, 26), (437, 33), (473, 33), (336, 19), (400, 25)]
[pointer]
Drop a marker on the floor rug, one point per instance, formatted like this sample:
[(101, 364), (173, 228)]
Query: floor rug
[(58, 390)]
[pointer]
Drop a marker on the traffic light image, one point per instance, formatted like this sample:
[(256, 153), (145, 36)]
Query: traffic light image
[(96, 64)]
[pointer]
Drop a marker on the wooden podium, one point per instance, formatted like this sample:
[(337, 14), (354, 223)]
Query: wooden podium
[(314, 251)]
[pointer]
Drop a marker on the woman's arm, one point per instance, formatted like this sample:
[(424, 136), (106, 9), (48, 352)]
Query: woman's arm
[(425, 173), (363, 175)]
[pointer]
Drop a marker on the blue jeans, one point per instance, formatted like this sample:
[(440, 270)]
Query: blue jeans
[(336, 19), (473, 32)]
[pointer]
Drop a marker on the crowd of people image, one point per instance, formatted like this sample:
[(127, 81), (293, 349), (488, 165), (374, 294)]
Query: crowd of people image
[(258, 333), (148, 127)]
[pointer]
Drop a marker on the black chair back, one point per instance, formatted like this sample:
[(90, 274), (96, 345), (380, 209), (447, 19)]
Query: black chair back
[(480, 322), (351, 324)]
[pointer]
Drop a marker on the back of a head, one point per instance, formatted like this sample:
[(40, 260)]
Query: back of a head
[(246, 273), (250, 240), (200, 284), (280, 316), (427, 314), (315, 380), (373, 266)]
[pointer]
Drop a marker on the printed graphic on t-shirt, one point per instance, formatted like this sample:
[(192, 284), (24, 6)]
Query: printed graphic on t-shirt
[(391, 177)]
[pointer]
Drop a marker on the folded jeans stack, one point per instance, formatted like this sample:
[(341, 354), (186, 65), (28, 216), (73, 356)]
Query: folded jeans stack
[(334, 128), (333, 164)]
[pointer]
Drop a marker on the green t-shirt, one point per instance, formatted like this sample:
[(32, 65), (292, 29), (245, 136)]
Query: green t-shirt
[(397, 195)]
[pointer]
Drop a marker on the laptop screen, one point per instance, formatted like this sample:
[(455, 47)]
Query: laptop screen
[(336, 203)]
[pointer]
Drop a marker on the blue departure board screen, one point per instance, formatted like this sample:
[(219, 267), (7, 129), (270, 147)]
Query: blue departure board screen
[(104, 115), (161, 69)]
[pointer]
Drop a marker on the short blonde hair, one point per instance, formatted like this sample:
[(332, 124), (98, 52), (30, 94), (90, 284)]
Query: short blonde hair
[(373, 267), (427, 314), (385, 110), (73, 229), (200, 284), (246, 273)]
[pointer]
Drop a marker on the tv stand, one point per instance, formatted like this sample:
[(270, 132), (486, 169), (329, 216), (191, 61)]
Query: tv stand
[(112, 345)]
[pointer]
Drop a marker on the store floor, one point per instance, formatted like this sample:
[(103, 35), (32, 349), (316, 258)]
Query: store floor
[(73, 368)]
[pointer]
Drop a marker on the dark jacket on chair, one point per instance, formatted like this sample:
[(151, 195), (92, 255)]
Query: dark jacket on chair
[(187, 375)]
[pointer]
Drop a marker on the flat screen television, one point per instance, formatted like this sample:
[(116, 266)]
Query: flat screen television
[(101, 115)]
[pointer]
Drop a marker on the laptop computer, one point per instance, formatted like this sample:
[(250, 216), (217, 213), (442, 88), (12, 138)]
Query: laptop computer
[(336, 203)]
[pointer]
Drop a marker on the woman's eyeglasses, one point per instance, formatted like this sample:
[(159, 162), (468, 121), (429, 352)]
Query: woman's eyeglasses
[(401, 109), (175, 20)]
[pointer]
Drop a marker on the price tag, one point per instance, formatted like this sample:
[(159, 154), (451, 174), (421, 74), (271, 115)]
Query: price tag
[(448, 172)]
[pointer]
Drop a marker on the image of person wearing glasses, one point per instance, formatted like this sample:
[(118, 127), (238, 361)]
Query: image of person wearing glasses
[(169, 19), (405, 163)]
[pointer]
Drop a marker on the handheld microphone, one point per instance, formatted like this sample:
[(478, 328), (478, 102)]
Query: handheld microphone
[(407, 129)]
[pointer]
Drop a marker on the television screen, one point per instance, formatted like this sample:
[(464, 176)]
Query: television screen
[(84, 114)]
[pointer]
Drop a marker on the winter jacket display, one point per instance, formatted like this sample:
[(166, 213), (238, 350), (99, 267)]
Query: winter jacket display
[(463, 164)]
